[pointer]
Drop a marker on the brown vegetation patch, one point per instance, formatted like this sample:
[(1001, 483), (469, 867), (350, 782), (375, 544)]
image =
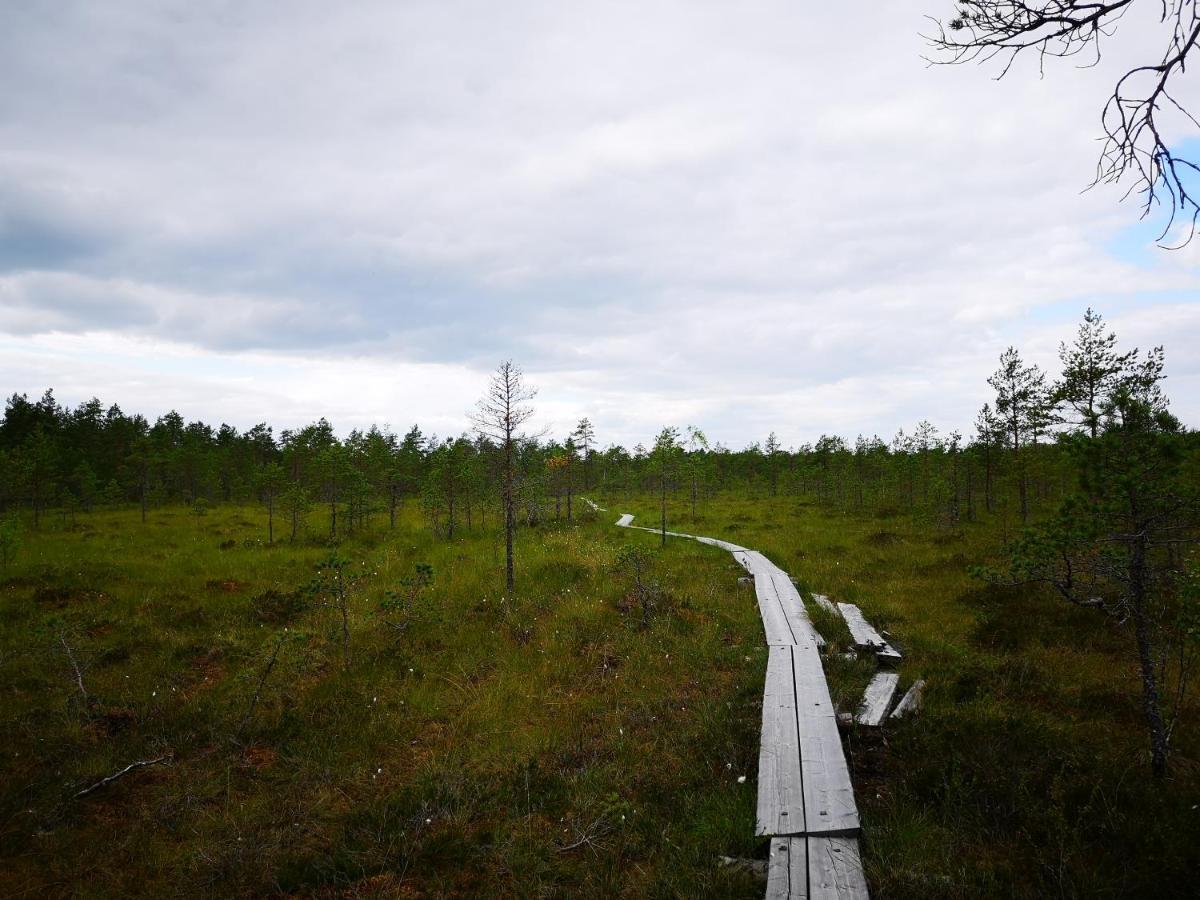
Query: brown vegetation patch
[(883, 538), (228, 585), (383, 885), (61, 597), (943, 538), (868, 760), (278, 607), (208, 670), (258, 757), (114, 720)]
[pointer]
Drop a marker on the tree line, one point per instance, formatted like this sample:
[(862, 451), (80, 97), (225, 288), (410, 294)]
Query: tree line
[(1013, 464)]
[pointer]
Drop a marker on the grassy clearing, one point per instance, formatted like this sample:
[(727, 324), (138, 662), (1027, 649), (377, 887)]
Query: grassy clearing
[(544, 745), (540, 745)]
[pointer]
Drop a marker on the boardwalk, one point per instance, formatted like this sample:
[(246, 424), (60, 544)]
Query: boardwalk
[(805, 799)]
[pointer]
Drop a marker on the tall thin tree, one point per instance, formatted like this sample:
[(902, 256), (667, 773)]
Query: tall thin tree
[(500, 416)]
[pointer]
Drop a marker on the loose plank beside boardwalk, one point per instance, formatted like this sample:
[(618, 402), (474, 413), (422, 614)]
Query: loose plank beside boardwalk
[(877, 699), (910, 701), (864, 634), (826, 604)]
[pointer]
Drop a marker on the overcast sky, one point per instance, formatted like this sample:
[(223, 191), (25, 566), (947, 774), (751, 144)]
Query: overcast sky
[(747, 217)]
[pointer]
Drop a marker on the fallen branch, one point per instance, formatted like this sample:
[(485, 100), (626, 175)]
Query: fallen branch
[(62, 637), (140, 764), (590, 837), (262, 680)]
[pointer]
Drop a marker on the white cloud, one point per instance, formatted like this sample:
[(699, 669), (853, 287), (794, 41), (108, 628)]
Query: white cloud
[(768, 217)]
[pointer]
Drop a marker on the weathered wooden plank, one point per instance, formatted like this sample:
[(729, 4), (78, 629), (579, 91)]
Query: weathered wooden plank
[(829, 805), (877, 699), (780, 784), (911, 701), (759, 563), (775, 622), (787, 869), (732, 548), (865, 635), (793, 608), (860, 629), (835, 869), (826, 604)]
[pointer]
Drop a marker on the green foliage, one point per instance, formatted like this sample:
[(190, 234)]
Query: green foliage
[(10, 538), (335, 586), (405, 605)]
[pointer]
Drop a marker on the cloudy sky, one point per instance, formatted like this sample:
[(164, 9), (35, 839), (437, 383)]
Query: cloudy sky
[(748, 217)]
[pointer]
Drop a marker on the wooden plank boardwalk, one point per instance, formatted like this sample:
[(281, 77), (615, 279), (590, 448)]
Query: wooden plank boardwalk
[(805, 798)]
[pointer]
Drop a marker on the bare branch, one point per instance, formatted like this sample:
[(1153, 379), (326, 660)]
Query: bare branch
[(62, 637), (1131, 119), (140, 764)]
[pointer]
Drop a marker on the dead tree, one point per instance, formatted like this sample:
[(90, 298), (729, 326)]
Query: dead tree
[(500, 415)]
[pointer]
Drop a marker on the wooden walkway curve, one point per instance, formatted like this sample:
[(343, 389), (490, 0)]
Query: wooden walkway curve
[(805, 799)]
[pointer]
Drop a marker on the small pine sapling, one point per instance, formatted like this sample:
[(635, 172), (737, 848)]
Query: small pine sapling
[(406, 603), (10, 539), (636, 562), (334, 587)]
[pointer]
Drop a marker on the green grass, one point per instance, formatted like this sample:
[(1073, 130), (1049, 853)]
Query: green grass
[(466, 755), (458, 758)]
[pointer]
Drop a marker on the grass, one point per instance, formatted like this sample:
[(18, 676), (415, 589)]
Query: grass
[(461, 757), (543, 744)]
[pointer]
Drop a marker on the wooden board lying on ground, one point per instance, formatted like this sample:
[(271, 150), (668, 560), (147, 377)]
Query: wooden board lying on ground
[(835, 869), (775, 622), (827, 798), (815, 868), (829, 806), (756, 562), (793, 608), (877, 699), (787, 869), (865, 635), (780, 780), (911, 701), (826, 604)]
